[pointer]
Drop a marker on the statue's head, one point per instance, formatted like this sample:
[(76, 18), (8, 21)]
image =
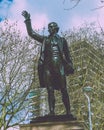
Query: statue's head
[(53, 27)]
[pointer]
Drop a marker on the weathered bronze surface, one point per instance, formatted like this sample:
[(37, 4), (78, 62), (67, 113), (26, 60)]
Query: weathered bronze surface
[(54, 63)]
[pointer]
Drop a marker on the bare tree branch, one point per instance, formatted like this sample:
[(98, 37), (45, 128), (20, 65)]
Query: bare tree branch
[(76, 3), (16, 75)]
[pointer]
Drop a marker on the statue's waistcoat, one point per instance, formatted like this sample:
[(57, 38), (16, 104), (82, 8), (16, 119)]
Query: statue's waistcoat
[(56, 40)]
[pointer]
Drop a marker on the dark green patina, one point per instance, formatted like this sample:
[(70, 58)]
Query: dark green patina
[(54, 63)]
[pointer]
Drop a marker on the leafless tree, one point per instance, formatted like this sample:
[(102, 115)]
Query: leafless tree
[(16, 75)]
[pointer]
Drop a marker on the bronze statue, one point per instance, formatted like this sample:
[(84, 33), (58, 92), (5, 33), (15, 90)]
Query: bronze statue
[(54, 63)]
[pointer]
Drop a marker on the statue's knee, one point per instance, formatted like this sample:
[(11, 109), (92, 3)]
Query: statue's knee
[(50, 91), (49, 88)]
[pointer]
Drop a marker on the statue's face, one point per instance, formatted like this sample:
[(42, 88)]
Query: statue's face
[(52, 28)]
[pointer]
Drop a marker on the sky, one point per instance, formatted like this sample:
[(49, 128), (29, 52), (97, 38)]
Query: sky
[(45, 11)]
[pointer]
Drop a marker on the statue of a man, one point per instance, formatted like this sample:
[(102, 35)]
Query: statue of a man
[(54, 62)]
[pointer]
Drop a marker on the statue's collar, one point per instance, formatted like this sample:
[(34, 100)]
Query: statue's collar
[(55, 35)]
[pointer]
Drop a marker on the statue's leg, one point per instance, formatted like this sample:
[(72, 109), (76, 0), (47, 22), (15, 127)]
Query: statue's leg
[(65, 96), (51, 100), (50, 90), (65, 99)]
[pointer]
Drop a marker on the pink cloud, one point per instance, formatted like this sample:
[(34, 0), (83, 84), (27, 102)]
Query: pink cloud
[(100, 16), (95, 15), (77, 20), (39, 21)]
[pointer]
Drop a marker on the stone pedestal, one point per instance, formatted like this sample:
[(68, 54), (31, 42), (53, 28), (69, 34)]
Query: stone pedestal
[(64, 125), (56, 122)]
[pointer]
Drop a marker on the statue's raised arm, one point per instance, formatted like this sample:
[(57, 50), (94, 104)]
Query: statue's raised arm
[(30, 31)]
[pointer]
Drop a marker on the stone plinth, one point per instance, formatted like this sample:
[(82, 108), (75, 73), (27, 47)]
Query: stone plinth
[(66, 125), (56, 122)]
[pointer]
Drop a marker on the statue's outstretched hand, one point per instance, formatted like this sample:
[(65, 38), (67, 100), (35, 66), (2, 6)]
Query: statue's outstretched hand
[(26, 14)]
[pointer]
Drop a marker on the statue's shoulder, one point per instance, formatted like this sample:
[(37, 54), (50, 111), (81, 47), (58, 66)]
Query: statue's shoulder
[(60, 37), (63, 39)]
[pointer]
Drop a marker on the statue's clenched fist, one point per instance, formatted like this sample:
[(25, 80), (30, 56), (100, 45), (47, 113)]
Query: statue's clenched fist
[(26, 14)]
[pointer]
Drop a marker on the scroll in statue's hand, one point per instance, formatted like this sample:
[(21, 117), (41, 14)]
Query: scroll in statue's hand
[(26, 14)]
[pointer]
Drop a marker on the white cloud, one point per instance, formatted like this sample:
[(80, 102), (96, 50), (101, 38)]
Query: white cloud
[(96, 16), (93, 15), (17, 7), (100, 16), (14, 14), (77, 21), (39, 21)]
